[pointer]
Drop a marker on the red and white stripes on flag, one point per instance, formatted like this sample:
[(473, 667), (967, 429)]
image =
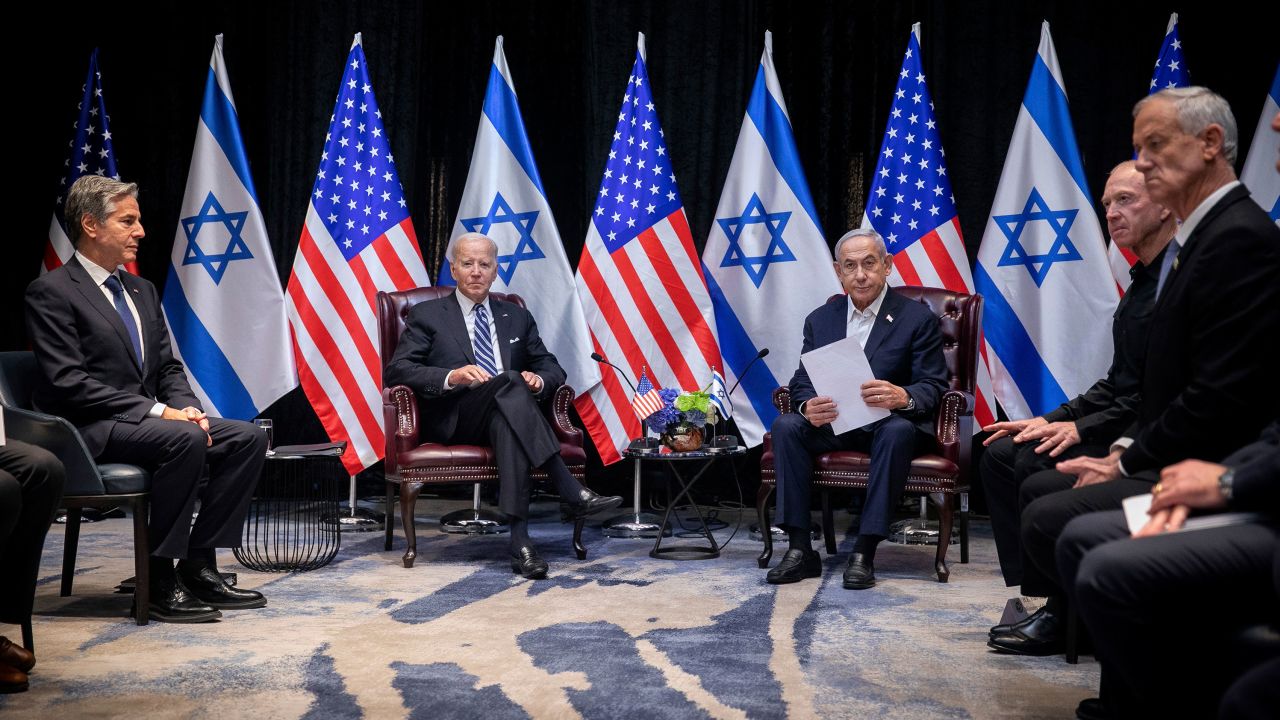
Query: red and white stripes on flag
[(639, 278), (357, 239)]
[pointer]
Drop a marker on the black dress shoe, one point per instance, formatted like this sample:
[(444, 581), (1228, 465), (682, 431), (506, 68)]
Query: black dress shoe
[(207, 585), (170, 602), (1092, 709), (589, 503), (1042, 633), (860, 574), (1008, 627), (525, 562), (796, 565)]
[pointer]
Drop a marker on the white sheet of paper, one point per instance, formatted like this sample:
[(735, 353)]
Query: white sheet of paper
[(1136, 507), (838, 371), (1, 426)]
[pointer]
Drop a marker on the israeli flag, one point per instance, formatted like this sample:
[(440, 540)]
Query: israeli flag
[(1259, 172), (222, 298), (766, 262), (1042, 266), (504, 200)]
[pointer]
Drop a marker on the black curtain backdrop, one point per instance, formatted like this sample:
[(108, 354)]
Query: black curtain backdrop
[(837, 62)]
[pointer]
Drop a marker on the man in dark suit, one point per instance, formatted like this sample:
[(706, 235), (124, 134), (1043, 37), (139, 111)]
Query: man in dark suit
[(479, 368), (1209, 383), (106, 366), (904, 348)]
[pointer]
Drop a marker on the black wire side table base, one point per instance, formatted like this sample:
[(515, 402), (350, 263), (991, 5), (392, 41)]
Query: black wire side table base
[(284, 530), (673, 462)]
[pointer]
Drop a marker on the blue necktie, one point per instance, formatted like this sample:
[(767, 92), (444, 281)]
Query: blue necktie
[(117, 294), (1170, 254), (484, 341)]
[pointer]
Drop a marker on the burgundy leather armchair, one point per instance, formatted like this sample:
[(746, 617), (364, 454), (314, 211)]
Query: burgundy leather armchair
[(943, 472), (413, 462)]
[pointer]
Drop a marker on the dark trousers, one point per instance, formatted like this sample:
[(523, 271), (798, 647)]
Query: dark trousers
[(1004, 468), (504, 414), (31, 481), (1164, 612), (1045, 517), (176, 453), (890, 442)]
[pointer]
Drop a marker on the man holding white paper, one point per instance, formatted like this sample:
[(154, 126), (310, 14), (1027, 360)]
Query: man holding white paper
[(903, 347)]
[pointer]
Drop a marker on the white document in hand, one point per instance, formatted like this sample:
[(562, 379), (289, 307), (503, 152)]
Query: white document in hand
[(838, 371)]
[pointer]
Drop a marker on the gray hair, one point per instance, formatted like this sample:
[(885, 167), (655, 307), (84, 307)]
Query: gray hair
[(93, 195), (1197, 108), (453, 251), (860, 232)]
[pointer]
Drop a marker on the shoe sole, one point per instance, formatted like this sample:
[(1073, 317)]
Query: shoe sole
[(21, 687), (859, 585), (1011, 651), (160, 615), (244, 605), (541, 574), (789, 579)]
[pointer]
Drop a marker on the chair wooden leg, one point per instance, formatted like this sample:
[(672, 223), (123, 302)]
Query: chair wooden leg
[(964, 528), (828, 522), (945, 519), (1073, 635), (578, 548), (408, 500), (141, 561), (69, 549), (28, 636), (762, 517), (390, 518)]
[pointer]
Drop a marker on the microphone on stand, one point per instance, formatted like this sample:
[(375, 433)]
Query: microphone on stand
[(723, 442), (644, 442)]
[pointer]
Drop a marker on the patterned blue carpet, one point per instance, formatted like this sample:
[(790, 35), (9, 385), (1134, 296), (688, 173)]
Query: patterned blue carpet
[(459, 636)]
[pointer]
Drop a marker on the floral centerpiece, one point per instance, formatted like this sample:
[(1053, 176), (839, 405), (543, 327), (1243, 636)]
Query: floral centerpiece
[(683, 417)]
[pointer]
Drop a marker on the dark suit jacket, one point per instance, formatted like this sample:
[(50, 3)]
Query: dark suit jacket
[(1210, 382), (435, 342), (89, 374), (906, 351), (1105, 410)]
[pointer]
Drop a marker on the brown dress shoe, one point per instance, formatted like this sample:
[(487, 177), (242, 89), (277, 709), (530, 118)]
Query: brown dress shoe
[(16, 656), (12, 680)]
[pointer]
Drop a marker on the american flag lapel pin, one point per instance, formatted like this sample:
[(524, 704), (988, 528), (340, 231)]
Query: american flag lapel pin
[(888, 317)]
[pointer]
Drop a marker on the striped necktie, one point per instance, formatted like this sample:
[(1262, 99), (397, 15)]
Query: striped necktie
[(483, 341)]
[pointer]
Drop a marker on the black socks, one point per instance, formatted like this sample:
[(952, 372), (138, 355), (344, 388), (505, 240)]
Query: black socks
[(866, 544)]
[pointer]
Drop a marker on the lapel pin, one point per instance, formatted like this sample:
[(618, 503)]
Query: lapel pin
[(888, 317)]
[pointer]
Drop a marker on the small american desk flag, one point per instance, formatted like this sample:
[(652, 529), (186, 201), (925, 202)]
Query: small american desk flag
[(647, 400)]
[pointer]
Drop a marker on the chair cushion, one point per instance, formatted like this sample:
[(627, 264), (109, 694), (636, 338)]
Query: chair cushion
[(436, 456), (121, 479), (931, 466)]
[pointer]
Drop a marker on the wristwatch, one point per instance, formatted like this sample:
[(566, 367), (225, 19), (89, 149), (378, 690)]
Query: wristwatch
[(1226, 482), (911, 404)]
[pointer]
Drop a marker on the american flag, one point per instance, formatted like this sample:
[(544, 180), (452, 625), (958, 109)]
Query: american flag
[(89, 152), (911, 203), (639, 278), (1170, 72), (357, 239), (647, 400)]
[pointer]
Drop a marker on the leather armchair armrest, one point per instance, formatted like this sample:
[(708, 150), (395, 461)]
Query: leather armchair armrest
[(60, 437), (782, 399), (558, 415), (953, 429), (399, 411)]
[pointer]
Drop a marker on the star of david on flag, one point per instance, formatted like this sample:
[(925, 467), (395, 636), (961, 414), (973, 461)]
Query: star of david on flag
[(910, 204), (222, 298), (1170, 71), (504, 200), (1059, 226), (1042, 267), (773, 225), (766, 262), (500, 212), (1259, 171), (212, 214)]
